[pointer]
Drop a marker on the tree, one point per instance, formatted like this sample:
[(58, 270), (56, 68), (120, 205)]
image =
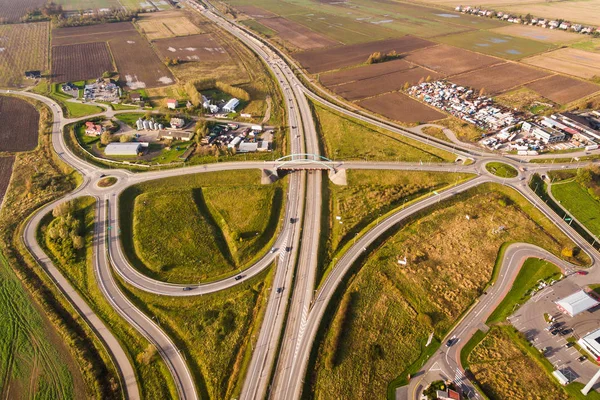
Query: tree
[(406, 86), (428, 79), (78, 242), (63, 209), (105, 138), (481, 92), (147, 355), (125, 138)]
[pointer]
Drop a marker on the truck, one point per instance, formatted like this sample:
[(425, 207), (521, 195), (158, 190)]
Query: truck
[(257, 128)]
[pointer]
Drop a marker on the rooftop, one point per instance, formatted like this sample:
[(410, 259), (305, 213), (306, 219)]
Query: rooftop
[(576, 303)]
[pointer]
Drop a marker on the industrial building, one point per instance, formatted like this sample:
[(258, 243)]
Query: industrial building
[(591, 343), (545, 133), (576, 303), (247, 147), (123, 149), (231, 105), (175, 135)]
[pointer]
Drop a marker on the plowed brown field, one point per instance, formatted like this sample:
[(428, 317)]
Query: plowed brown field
[(499, 78), (80, 61), (296, 34), (321, 60), (450, 60), (19, 127), (137, 64), (399, 107), (193, 48), (382, 84), (562, 89), (6, 164), (364, 72)]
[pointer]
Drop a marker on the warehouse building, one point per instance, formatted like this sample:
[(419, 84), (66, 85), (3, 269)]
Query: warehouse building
[(123, 149), (576, 303), (231, 105)]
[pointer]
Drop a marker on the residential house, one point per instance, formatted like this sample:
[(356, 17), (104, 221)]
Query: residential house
[(172, 104), (92, 129), (135, 97), (177, 123)]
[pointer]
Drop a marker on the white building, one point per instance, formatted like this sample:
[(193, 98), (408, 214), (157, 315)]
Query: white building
[(576, 303), (231, 105), (591, 343), (123, 149), (233, 144), (246, 147)]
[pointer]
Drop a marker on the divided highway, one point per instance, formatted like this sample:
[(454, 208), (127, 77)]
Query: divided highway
[(293, 314)]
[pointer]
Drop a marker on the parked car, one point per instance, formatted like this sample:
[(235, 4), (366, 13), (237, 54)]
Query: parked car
[(566, 331), (554, 332), (582, 359), (569, 345)]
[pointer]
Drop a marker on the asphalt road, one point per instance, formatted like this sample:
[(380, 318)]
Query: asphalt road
[(297, 249)]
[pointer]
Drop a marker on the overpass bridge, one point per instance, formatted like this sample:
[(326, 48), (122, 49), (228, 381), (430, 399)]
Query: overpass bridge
[(305, 161)]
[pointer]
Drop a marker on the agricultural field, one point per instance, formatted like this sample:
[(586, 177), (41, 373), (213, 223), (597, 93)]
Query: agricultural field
[(23, 47), (349, 139), (315, 61), (556, 36), (208, 238), (363, 72), (79, 62), (582, 64), (18, 134), (384, 83), (499, 78), (387, 312), (297, 35), (588, 44), (506, 371), (87, 4), (576, 199), (167, 24), (562, 89), (450, 60), (6, 164), (11, 11), (399, 107), (138, 66), (201, 48), (495, 44)]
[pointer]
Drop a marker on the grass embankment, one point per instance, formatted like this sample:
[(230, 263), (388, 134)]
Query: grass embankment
[(505, 370), (50, 351), (347, 138), (531, 274), (369, 196), (577, 200), (435, 132), (450, 260), (153, 376), (71, 109), (199, 227), (214, 331), (502, 170), (463, 131)]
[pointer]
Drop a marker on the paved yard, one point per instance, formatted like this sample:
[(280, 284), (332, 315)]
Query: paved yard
[(529, 319)]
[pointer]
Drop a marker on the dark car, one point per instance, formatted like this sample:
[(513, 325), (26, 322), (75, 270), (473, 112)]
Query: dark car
[(582, 359), (451, 342), (237, 278), (185, 289), (279, 289), (554, 332), (566, 331), (569, 345)]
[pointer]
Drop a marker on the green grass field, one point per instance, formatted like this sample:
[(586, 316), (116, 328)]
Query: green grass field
[(200, 227), (508, 47), (154, 378), (34, 362), (532, 272), (502, 170), (370, 195), (390, 309), (349, 139), (214, 331), (577, 201), (72, 110)]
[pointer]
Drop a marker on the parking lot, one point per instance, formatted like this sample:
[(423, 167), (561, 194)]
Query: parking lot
[(529, 319)]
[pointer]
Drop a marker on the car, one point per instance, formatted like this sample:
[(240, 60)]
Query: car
[(279, 289), (566, 331), (292, 220), (185, 289), (582, 272), (582, 359), (452, 341), (102, 175), (554, 332), (237, 278), (272, 250), (569, 345)]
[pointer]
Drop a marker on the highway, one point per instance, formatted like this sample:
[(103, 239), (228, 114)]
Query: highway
[(294, 312)]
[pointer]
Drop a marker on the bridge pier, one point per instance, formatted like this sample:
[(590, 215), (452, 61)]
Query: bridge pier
[(338, 176), (268, 176)]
